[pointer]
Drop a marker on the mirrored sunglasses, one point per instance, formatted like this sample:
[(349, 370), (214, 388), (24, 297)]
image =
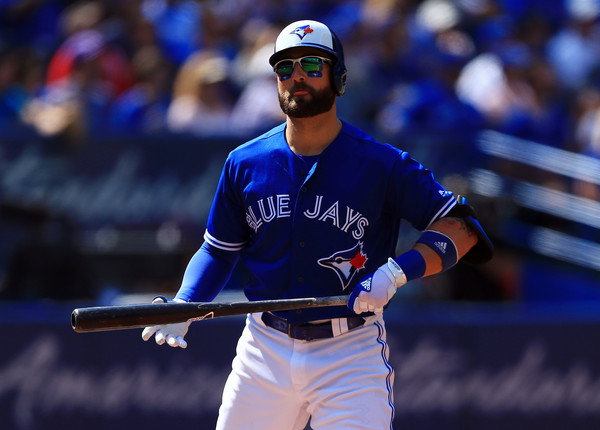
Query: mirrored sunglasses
[(310, 64)]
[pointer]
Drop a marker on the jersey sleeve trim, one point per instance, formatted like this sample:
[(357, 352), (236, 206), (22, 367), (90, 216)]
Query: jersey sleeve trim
[(226, 246), (443, 211)]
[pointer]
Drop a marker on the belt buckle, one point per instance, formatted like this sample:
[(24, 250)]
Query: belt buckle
[(301, 332)]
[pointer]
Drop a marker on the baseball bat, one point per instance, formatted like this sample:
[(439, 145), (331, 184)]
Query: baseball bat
[(105, 318)]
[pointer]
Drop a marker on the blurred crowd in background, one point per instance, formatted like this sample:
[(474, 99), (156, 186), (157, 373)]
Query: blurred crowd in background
[(90, 69), (419, 71), (84, 69)]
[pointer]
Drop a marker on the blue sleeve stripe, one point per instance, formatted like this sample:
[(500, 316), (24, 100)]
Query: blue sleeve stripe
[(443, 211), (226, 246)]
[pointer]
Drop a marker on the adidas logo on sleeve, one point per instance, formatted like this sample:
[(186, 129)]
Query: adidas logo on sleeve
[(441, 246)]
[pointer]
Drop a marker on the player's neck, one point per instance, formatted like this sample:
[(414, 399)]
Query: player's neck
[(310, 136)]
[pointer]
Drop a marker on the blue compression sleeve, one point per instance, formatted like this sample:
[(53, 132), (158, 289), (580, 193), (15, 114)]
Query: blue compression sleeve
[(206, 274)]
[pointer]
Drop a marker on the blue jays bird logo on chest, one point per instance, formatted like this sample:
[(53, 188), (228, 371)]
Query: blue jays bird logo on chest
[(301, 32), (346, 263)]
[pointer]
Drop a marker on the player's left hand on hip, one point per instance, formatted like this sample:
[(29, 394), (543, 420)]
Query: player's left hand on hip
[(374, 292), (172, 334)]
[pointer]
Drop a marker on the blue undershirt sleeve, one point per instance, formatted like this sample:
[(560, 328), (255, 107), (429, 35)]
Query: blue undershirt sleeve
[(206, 274)]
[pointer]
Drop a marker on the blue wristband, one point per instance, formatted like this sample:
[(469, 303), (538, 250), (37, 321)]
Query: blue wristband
[(412, 264), (442, 245)]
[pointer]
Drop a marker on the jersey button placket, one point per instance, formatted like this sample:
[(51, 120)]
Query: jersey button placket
[(299, 238)]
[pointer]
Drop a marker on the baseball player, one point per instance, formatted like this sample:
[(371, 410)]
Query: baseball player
[(313, 208)]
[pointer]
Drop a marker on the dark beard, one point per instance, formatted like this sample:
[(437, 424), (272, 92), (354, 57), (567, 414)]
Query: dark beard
[(299, 107)]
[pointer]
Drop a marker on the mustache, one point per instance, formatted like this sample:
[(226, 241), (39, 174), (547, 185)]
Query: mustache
[(300, 86)]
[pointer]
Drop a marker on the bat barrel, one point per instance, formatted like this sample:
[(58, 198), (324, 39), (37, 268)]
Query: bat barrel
[(105, 318)]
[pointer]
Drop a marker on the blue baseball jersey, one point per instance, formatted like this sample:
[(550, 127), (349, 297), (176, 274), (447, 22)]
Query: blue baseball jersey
[(315, 226)]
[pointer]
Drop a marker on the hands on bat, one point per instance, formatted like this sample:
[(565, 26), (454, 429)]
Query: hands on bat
[(173, 334)]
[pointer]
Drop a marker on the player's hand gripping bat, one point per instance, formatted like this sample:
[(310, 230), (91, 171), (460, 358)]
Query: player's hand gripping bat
[(104, 318)]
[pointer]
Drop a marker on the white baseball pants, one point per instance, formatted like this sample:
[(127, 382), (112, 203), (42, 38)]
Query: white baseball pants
[(277, 383)]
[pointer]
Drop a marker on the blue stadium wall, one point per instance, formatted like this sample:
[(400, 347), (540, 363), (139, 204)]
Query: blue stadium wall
[(456, 367)]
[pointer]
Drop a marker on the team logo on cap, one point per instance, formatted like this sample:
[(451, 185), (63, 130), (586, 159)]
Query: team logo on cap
[(301, 32)]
